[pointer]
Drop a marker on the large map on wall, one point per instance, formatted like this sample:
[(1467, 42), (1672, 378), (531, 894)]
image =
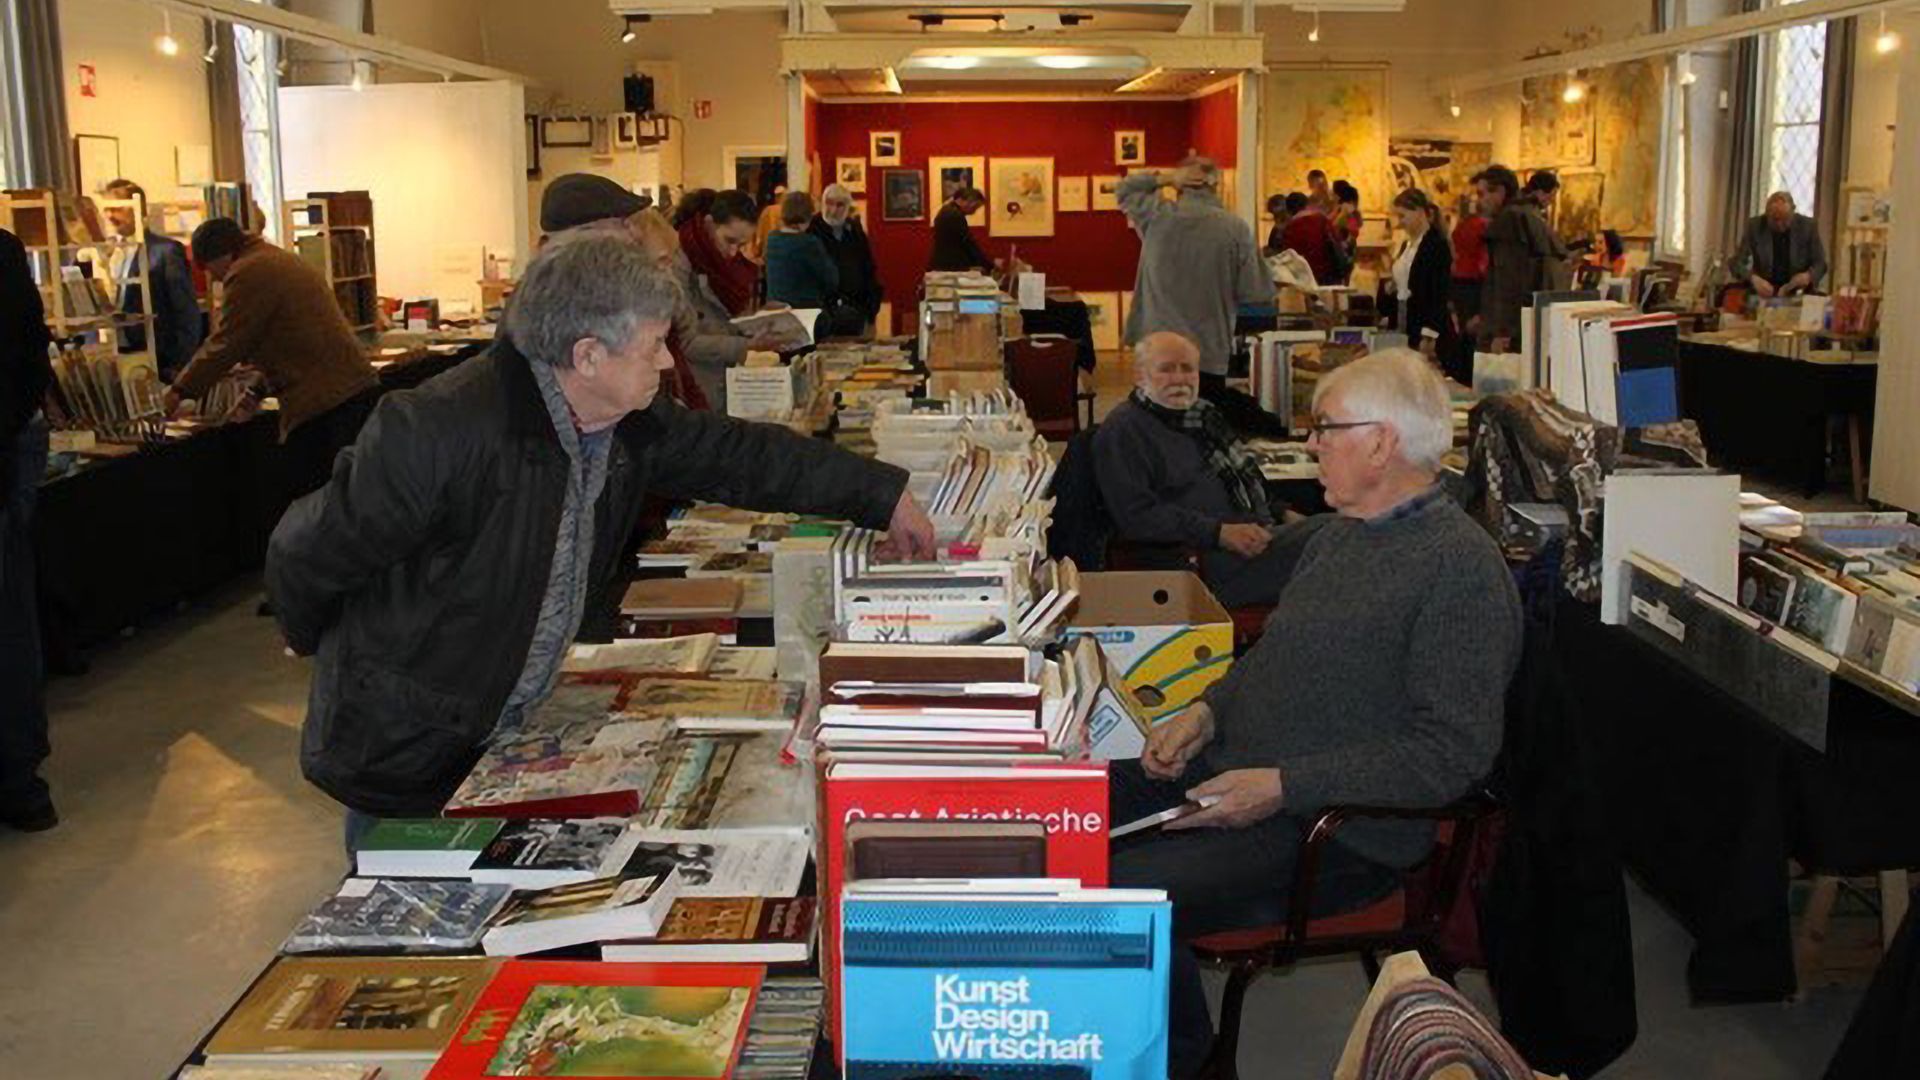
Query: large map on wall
[(1440, 167), (1615, 129), (1327, 118), (1554, 132)]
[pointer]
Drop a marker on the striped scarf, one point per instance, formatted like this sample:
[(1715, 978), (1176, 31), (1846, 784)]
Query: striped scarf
[(1237, 469)]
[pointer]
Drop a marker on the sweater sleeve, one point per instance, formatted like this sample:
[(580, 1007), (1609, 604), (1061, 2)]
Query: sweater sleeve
[(1457, 700), (246, 314), (1293, 541), (1139, 196), (1253, 282), (1125, 465)]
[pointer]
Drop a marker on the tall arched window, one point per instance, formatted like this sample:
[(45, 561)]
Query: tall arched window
[(1794, 87)]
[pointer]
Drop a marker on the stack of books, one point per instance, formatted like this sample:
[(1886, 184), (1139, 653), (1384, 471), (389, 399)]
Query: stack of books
[(999, 591)]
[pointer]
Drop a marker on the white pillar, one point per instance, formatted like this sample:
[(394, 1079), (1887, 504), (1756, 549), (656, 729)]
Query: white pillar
[(1895, 477), (798, 178), (1251, 196)]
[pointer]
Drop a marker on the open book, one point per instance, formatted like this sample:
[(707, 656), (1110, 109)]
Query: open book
[(792, 326)]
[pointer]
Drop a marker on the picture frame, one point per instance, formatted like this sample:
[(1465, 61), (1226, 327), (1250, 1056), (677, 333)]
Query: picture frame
[(1073, 195), (602, 137), (626, 131), (883, 148), (851, 173), (1023, 201), (1130, 148), (1103, 192), (945, 175), (860, 210), (563, 132), (96, 162), (903, 195), (533, 147)]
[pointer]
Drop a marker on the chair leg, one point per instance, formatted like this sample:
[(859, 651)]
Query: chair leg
[(1223, 1061), (1370, 963)]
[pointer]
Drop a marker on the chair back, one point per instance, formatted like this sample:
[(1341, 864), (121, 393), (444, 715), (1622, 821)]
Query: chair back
[(1042, 370), (1080, 529)]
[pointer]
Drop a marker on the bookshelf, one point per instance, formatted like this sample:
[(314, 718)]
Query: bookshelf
[(334, 232), (59, 234)]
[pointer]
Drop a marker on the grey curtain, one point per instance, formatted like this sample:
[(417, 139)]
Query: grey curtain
[(40, 139), (1836, 126), (1743, 135), (223, 94)]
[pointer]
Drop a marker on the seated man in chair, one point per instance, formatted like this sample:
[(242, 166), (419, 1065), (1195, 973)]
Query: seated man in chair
[(1173, 473), (1380, 680)]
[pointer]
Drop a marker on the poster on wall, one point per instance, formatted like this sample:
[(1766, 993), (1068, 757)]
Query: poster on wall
[(1554, 132), (851, 173), (1130, 148), (1576, 213), (1105, 193), (903, 195), (626, 131), (1022, 200), (1327, 117), (883, 148), (1442, 168), (1628, 101), (950, 174), (1073, 194), (96, 160)]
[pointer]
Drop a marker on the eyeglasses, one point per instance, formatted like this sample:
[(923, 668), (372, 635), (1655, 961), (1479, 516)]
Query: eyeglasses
[(1319, 428)]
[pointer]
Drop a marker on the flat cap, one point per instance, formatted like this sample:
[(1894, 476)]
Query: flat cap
[(579, 198)]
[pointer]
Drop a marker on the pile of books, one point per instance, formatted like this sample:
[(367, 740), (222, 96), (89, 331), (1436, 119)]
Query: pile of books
[(996, 592)]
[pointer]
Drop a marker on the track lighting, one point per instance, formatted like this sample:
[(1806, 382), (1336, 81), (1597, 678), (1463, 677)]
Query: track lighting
[(1576, 91), (627, 31), (1886, 41), (1313, 35), (166, 42), (213, 44)]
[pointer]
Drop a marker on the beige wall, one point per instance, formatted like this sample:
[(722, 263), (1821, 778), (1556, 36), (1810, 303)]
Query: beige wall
[(1876, 82), (149, 102), (1895, 476)]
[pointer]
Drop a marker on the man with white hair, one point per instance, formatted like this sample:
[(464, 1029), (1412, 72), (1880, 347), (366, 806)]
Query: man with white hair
[(440, 576), (1380, 680), (855, 303), (1198, 264), (1173, 475)]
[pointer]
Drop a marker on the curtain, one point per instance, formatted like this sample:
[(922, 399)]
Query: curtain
[(1743, 138), (41, 141), (223, 94), (1836, 127)]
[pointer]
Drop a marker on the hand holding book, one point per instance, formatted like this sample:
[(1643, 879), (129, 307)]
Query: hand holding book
[(1244, 797)]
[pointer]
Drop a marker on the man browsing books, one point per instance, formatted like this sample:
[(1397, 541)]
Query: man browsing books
[(1380, 680), (440, 576)]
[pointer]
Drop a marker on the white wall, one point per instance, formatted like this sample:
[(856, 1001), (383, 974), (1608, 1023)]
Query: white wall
[(445, 162), (1895, 476), (150, 102)]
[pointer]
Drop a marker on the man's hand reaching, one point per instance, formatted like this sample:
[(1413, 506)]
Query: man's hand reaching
[(909, 533), (1245, 540)]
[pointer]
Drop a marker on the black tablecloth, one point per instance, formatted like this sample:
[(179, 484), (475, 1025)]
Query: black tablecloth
[(1769, 414), (1710, 800)]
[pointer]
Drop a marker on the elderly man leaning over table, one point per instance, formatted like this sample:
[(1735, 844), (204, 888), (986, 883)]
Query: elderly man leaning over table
[(1358, 692)]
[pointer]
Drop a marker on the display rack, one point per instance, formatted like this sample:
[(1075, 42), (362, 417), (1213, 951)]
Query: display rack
[(335, 234), (51, 233)]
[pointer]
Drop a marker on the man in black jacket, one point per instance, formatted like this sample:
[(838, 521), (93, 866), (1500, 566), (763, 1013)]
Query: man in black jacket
[(440, 576), (954, 247), (25, 803), (852, 306)]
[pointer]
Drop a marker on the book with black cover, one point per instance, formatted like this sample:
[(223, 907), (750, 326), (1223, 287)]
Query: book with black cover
[(946, 849)]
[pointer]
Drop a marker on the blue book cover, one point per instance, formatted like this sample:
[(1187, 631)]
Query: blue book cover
[(1037, 988)]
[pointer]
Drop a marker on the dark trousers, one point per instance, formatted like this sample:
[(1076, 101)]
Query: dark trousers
[(302, 464), (1220, 879), (23, 706), (1456, 359)]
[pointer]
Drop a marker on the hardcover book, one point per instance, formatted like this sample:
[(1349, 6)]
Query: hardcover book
[(546, 853), (604, 1019), (738, 930), (664, 598), (739, 705), (315, 1009), (784, 1030), (722, 862), (424, 847), (378, 914), (946, 849), (689, 655), (572, 757), (600, 910)]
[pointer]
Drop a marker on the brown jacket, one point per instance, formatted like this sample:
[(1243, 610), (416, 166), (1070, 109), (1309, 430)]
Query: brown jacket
[(280, 316)]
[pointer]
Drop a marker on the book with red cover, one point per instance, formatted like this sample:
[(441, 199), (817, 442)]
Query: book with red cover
[(565, 1018), (1070, 799)]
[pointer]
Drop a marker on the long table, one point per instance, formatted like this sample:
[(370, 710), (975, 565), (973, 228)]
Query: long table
[(1709, 800), (1771, 414)]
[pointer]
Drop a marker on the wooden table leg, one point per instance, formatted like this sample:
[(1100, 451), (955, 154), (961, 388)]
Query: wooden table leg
[(1856, 463)]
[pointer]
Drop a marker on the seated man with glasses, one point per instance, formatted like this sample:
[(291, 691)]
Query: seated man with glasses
[(1173, 474), (1380, 680)]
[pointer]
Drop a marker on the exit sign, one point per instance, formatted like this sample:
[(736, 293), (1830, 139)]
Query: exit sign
[(703, 109)]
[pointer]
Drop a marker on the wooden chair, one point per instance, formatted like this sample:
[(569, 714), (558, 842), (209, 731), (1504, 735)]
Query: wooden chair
[(1411, 918), (1042, 370)]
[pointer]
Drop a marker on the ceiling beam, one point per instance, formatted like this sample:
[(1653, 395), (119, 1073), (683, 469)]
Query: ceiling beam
[(1682, 39), (372, 47)]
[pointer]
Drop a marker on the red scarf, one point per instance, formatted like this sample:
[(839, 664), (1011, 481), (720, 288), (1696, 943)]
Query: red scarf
[(683, 386), (731, 277)]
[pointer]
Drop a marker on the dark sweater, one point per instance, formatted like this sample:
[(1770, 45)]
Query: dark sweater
[(954, 247), (800, 273), (1381, 677), (1156, 483), (24, 370)]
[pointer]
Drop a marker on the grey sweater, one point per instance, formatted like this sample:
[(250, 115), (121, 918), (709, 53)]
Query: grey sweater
[(1198, 264), (1381, 678)]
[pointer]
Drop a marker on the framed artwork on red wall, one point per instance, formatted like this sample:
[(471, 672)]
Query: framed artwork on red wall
[(1021, 203), (1129, 148), (903, 195), (883, 148), (947, 175)]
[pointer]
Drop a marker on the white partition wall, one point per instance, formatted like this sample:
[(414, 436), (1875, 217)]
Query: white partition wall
[(446, 164), (1895, 478)]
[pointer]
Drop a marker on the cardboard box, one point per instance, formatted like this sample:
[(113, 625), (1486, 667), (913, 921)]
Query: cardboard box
[(1162, 629)]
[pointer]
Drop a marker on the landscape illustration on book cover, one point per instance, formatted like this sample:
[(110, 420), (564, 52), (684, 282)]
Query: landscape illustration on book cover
[(656, 1031)]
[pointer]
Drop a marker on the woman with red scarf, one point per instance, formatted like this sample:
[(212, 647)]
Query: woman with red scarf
[(715, 236)]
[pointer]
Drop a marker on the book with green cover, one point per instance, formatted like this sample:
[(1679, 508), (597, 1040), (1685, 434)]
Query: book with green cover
[(425, 847)]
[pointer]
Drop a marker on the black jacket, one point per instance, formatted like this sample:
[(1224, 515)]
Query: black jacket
[(954, 247), (176, 308), (416, 574), (1428, 286), (24, 371), (852, 255)]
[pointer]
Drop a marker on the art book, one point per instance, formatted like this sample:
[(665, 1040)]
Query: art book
[(974, 983), (723, 862), (378, 914), (599, 910), (545, 853), (784, 1030), (572, 757), (320, 1009), (539, 1018), (734, 780), (716, 704), (687, 655), (424, 847), (740, 930)]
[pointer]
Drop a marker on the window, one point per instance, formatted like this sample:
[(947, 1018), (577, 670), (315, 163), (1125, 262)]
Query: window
[(1793, 89), (1674, 204), (255, 57)]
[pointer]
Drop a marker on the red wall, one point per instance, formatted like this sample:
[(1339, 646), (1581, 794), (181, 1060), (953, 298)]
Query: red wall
[(1094, 251), (1216, 126)]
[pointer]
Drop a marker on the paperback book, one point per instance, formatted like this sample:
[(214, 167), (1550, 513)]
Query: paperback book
[(722, 862), (385, 915), (424, 847)]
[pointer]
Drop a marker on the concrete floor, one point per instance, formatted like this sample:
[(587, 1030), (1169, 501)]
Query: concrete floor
[(190, 845)]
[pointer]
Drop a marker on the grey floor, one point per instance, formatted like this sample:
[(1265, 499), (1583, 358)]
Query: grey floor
[(190, 845)]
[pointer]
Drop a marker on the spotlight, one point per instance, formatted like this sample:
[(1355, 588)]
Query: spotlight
[(359, 80), (627, 31), (166, 42), (1687, 77), (1313, 35), (1576, 90), (213, 45), (1886, 41), (1455, 110)]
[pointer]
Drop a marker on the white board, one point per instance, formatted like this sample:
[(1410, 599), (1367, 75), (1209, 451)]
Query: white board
[(1688, 522), (445, 163)]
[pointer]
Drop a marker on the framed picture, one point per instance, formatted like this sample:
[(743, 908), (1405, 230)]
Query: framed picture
[(1129, 148), (860, 210), (1104, 193), (96, 162), (1073, 194), (1022, 201), (1577, 210), (903, 195), (626, 131), (950, 174), (602, 137), (883, 148), (851, 173), (566, 131), (533, 147)]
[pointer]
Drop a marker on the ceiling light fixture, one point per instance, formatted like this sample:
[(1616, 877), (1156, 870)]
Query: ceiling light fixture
[(359, 80), (1313, 35), (1064, 63), (627, 31), (1453, 103), (213, 44), (166, 42), (951, 63), (1886, 41), (1687, 77), (1576, 91)]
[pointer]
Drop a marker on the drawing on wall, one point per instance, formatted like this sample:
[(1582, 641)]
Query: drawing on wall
[(1628, 124), (1330, 118), (1577, 209), (1443, 168), (1073, 194), (903, 195), (950, 174), (1554, 132), (851, 173), (883, 147), (626, 131), (1129, 148), (1022, 199), (1105, 193)]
